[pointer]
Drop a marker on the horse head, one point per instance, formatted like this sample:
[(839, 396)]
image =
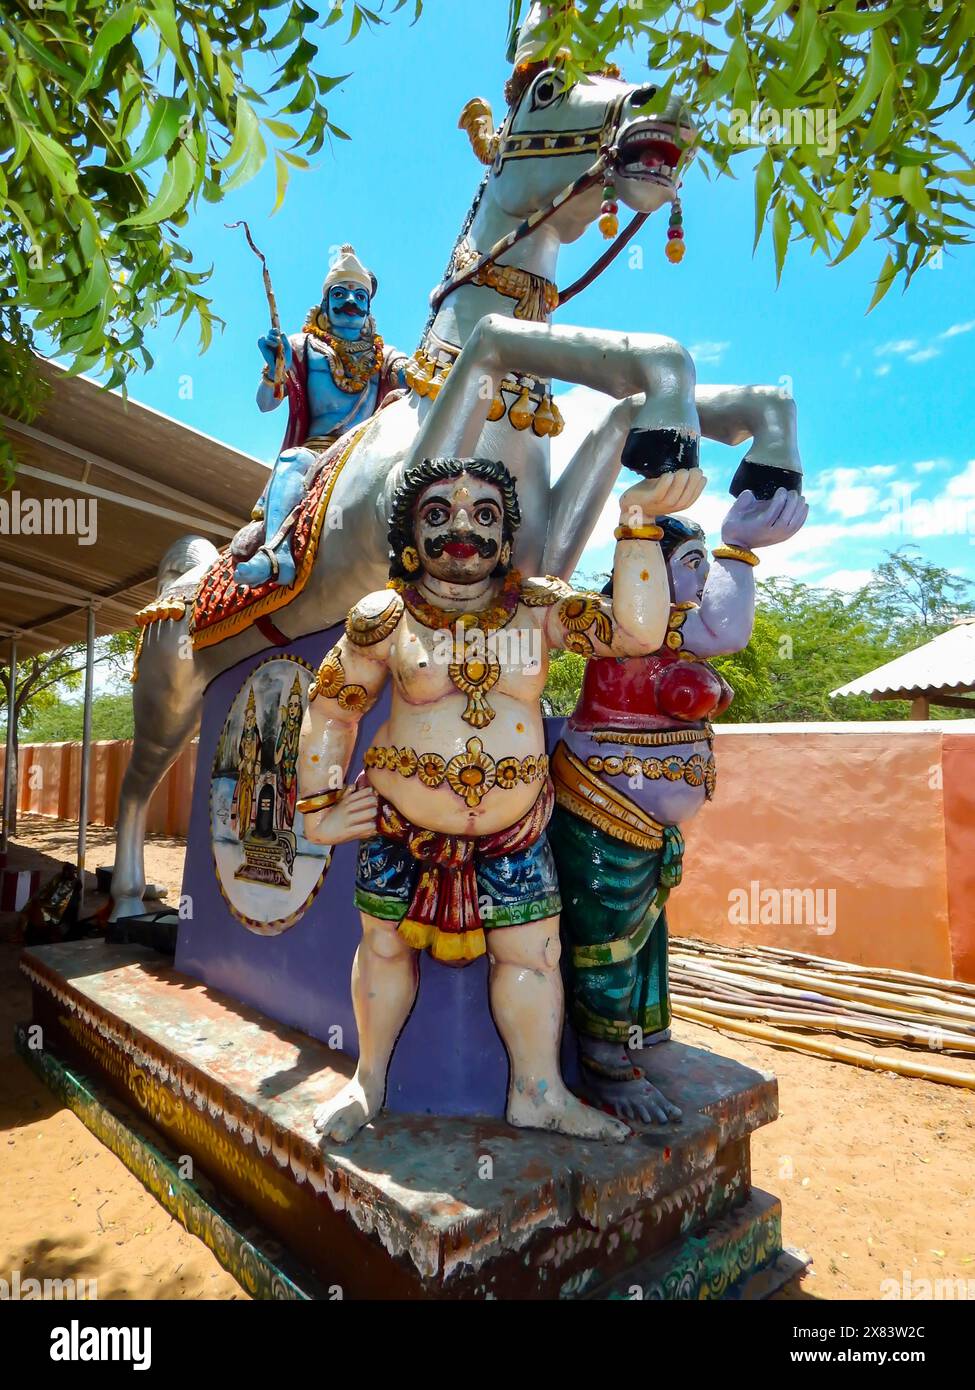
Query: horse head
[(555, 133)]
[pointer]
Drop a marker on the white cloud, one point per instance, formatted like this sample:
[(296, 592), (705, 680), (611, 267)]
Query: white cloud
[(708, 354), (847, 581), (924, 354), (962, 485), (897, 346), (958, 328), (882, 370)]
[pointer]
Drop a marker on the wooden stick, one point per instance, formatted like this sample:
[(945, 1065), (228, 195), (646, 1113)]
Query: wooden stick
[(837, 1052), (827, 1023), (681, 943), (279, 368), (825, 985)]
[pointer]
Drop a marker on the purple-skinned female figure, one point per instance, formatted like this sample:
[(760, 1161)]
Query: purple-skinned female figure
[(635, 763), (338, 372)]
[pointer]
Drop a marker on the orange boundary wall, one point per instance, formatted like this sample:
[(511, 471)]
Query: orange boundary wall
[(877, 820), (873, 823), (49, 781)]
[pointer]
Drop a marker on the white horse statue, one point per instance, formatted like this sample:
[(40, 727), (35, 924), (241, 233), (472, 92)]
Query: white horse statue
[(481, 385)]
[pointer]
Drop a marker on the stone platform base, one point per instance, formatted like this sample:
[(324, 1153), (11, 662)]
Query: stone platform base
[(414, 1207)]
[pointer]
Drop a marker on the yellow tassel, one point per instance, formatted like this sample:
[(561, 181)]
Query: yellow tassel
[(456, 948), (498, 408), (519, 414), (559, 418), (419, 935), (609, 225), (544, 421)]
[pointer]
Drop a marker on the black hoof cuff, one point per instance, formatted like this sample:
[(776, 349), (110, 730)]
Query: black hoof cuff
[(763, 480), (652, 453)]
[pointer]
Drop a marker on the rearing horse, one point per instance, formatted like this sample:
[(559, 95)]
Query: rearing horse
[(481, 386)]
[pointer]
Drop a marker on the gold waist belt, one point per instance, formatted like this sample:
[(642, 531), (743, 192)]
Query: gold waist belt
[(697, 771), (577, 790), (471, 774)]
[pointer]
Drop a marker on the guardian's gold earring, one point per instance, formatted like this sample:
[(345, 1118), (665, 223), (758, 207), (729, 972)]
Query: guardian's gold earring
[(410, 559), (505, 556)]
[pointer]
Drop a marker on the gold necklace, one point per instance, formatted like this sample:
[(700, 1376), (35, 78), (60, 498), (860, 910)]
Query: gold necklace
[(352, 368), (475, 670)]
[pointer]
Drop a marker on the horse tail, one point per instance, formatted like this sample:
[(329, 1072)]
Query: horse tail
[(188, 553)]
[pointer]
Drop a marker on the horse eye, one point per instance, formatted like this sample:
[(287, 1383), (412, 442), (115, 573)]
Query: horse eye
[(545, 93)]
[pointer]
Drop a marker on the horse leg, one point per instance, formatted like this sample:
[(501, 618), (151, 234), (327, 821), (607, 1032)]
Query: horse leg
[(581, 492), (618, 364), (166, 703), (767, 416)]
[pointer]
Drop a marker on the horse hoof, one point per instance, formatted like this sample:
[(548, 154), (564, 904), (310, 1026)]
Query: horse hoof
[(652, 453), (763, 480)]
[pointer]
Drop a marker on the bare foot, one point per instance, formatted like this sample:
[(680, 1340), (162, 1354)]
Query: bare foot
[(631, 1099), (340, 1118), (538, 1105)]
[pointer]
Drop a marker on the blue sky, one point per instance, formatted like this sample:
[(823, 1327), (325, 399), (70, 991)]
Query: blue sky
[(885, 417)]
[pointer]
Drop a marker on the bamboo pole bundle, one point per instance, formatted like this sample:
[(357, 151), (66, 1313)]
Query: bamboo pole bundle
[(784, 954), (702, 984), (698, 988), (820, 1047), (890, 1031), (962, 1015)]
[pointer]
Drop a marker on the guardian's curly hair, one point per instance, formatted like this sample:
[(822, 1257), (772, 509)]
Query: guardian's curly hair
[(421, 475)]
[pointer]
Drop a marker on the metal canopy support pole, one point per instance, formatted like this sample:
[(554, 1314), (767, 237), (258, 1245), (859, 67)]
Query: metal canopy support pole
[(9, 784), (86, 743)]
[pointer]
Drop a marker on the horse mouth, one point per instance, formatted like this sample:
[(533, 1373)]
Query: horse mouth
[(651, 154)]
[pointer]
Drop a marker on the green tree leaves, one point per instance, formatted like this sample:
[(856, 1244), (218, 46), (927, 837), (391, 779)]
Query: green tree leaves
[(842, 107), (115, 117)]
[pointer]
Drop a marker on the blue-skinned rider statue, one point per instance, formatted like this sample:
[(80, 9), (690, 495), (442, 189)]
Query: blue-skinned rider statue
[(634, 764), (338, 372)]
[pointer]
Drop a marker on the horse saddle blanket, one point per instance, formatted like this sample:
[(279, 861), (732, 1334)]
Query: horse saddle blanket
[(223, 608)]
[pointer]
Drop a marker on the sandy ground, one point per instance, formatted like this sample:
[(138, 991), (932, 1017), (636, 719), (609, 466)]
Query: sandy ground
[(876, 1173)]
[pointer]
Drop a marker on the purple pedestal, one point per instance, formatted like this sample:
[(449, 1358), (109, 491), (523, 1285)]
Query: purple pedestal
[(449, 1059)]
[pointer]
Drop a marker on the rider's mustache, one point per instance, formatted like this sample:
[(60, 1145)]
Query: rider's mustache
[(486, 546), (353, 311)]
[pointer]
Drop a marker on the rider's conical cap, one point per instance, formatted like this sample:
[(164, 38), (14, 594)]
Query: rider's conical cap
[(347, 269)]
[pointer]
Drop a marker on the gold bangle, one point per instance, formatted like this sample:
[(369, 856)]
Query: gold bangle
[(322, 801), (735, 552), (266, 376), (639, 533)]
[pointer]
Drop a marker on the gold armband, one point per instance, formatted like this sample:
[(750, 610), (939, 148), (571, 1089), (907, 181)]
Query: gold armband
[(639, 533), (322, 801), (266, 376), (735, 552)]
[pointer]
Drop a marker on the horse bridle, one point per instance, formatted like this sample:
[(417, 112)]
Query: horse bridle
[(541, 144)]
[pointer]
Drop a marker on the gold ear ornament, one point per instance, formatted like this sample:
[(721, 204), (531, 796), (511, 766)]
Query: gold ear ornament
[(477, 120)]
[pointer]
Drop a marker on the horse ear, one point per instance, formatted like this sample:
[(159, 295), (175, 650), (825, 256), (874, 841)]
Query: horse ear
[(477, 119)]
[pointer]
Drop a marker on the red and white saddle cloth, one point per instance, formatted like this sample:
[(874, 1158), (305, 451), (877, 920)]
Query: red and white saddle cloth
[(222, 607)]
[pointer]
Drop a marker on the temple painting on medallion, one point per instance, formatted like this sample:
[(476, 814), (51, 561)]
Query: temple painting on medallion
[(267, 870)]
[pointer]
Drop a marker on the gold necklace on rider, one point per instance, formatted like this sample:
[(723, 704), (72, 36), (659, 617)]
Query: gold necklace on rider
[(354, 365), (473, 672)]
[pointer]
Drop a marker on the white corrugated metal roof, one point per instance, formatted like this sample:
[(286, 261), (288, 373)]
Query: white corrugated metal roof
[(946, 663)]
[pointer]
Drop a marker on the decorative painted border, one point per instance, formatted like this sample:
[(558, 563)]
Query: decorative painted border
[(254, 924), (256, 1273), (715, 1263), (180, 1099)]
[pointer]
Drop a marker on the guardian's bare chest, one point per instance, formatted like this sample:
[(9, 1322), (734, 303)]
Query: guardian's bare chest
[(428, 663)]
